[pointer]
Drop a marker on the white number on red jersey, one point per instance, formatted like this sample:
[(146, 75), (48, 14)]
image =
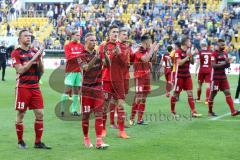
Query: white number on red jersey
[(206, 59)]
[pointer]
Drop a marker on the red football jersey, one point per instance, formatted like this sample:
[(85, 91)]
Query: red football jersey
[(31, 77), (219, 73), (94, 75), (182, 71), (167, 62), (114, 72), (204, 57), (72, 52), (126, 51), (141, 69)]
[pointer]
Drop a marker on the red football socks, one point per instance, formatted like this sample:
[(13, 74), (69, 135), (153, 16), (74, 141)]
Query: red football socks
[(121, 118), (19, 130), (38, 127), (134, 110), (207, 94), (199, 92), (112, 112), (104, 120), (98, 126), (141, 109), (168, 87), (230, 103), (210, 106), (173, 102), (191, 103)]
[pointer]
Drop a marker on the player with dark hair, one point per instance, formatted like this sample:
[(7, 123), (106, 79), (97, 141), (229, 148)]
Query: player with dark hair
[(183, 80), (166, 61), (220, 62), (143, 57), (113, 79), (92, 94), (73, 77), (204, 73), (126, 53), (29, 68)]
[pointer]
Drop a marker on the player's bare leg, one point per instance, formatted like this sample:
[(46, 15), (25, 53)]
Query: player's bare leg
[(230, 102), (199, 92), (19, 129), (121, 118), (38, 127)]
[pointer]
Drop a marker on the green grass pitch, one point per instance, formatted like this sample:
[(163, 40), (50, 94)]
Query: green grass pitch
[(162, 139)]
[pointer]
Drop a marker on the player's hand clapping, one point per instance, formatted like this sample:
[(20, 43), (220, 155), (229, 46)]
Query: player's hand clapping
[(37, 55)]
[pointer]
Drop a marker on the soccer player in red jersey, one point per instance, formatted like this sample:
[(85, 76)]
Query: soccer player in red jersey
[(29, 68), (113, 79), (204, 73), (184, 81), (73, 77), (143, 56), (167, 63), (220, 62), (92, 94), (126, 52)]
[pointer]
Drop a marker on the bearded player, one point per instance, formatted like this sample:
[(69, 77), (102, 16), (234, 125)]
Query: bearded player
[(220, 62), (183, 79)]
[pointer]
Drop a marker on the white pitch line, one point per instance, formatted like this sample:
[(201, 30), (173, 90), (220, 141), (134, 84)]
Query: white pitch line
[(228, 120), (219, 117)]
